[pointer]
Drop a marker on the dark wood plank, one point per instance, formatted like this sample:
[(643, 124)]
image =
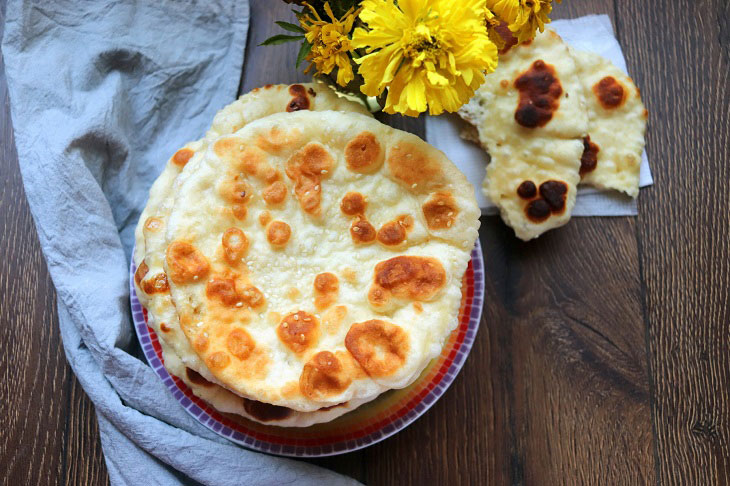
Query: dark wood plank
[(48, 429), (33, 395), (680, 52), (83, 455)]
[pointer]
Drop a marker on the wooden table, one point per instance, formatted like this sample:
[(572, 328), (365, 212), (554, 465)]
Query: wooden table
[(602, 356)]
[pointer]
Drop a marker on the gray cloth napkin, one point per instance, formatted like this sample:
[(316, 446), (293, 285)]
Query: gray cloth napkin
[(101, 94)]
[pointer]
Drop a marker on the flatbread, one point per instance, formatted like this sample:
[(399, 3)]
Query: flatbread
[(530, 116), (535, 185), (616, 125), (150, 279), (495, 105), (226, 402), (316, 257)]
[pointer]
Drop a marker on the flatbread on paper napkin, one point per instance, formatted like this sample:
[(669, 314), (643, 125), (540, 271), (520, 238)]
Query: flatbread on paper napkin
[(592, 33), (616, 125), (530, 116)]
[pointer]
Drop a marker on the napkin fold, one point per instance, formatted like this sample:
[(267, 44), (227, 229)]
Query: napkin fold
[(101, 94), (592, 33)]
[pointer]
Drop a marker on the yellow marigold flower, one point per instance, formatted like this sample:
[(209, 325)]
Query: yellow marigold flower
[(330, 43), (524, 17), (506, 10), (429, 54), (492, 23)]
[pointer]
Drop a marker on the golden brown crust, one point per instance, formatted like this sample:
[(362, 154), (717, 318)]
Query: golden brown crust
[(238, 192), (551, 199), (222, 290), (392, 233), (326, 289), (185, 263), (353, 204), (406, 277), (440, 210), (253, 297), (240, 344), (362, 232), (300, 100), (239, 211), (156, 285), (363, 153), (333, 318), (589, 159), (323, 376), (379, 347), (275, 193), (307, 167), (264, 218), (235, 245), (298, 331), (153, 224), (201, 343), (218, 360), (249, 160), (140, 273), (277, 140), (540, 91), (278, 233), (182, 157), (610, 93), (412, 167), (213, 315)]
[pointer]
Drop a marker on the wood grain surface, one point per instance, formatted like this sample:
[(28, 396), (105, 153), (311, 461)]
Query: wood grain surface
[(602, 356)]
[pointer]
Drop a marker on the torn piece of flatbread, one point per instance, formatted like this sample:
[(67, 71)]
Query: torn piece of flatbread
[(616, 125), (530, 116), (534, 185)]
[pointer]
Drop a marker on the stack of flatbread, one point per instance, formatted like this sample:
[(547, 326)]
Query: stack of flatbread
[(552, 118), (302, 258)]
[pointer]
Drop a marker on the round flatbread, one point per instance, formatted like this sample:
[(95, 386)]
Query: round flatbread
[(150, 279), (316, 257)]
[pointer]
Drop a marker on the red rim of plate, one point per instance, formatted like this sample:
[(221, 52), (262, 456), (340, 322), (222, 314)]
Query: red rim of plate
[(368, 424)]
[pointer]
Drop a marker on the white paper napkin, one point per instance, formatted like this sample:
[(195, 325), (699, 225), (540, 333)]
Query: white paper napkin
[(592, 33)]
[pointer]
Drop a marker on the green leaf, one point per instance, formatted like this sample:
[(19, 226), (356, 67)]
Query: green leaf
[(280, 39), (303, 51), (290, 27)]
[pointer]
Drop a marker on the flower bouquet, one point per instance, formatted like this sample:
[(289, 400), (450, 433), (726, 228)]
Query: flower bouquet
[(409, 56)]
